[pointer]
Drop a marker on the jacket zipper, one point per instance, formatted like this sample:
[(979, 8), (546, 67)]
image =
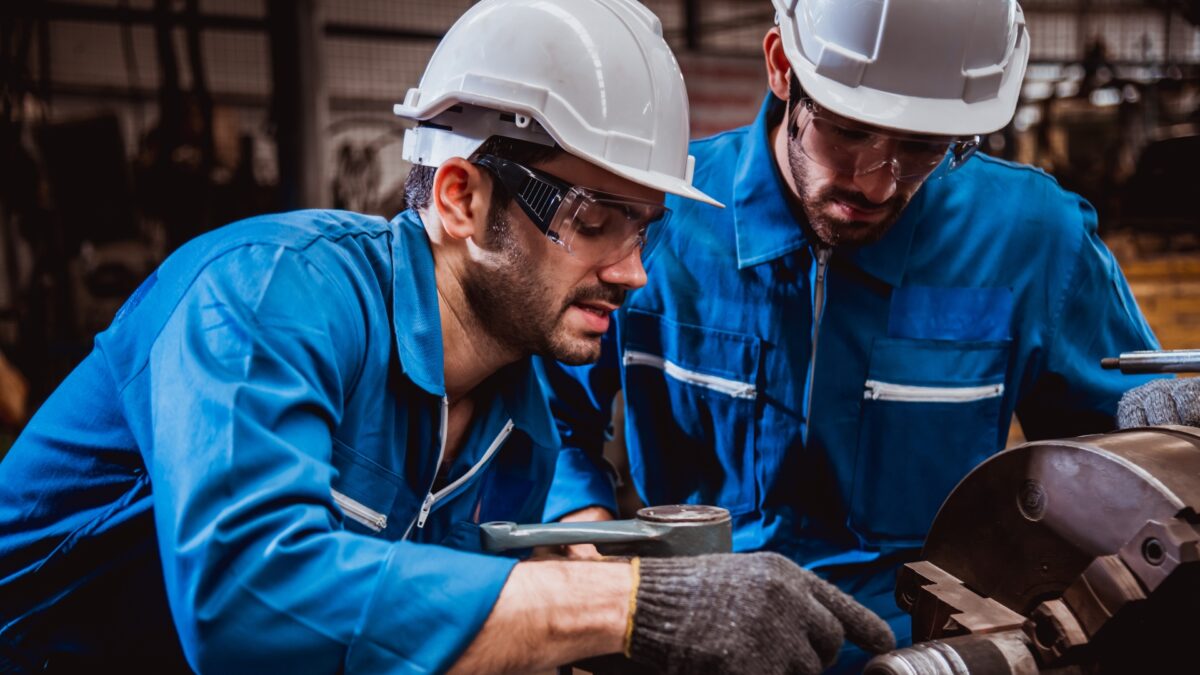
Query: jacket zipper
[(432, 498), (732, 388), (443, 425), (445, 492), (886, 391), (822, 259), (357, 511)]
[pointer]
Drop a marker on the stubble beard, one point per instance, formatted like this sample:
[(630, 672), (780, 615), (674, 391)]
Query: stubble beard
[(831, 231), (517, 306)]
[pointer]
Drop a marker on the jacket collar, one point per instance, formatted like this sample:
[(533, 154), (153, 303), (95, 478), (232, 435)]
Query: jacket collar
[(766, 228), (765, 225), (417, 324)]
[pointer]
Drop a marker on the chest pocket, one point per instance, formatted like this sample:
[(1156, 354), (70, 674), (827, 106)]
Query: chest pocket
[(691, 393), (930, 413), (366, 493)]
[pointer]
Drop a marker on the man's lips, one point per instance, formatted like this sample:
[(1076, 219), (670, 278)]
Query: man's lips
[(855, 211), (595, 315)]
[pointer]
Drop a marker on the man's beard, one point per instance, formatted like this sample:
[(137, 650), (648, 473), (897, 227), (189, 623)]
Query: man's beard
[(833, 232), (516, 306)]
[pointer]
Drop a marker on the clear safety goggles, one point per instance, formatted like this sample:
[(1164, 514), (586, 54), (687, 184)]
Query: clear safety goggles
[(596, 227), (855, 149)]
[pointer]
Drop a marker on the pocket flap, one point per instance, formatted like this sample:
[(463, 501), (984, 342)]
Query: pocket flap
[(962, 314), (947, 363), (689, 349), (365, 491)]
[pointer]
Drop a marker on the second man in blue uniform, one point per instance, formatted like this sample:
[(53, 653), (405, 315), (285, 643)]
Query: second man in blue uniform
[(828, 356)]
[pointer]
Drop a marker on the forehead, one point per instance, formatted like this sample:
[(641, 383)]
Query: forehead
[(576, 171)]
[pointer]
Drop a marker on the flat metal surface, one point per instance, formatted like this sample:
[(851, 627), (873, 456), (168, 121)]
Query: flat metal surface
[(683, 513)]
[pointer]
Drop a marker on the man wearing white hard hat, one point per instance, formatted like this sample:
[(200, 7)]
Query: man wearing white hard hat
[(277, 456), (831, 353)]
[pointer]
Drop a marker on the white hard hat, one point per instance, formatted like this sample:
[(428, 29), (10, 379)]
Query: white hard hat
[(951, 67), (595, 76)]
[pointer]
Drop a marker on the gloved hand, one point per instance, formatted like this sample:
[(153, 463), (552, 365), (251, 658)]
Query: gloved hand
[(1161, 402), (744, 613)]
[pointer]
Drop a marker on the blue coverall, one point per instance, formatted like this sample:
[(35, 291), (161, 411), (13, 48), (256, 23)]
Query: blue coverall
[(832, 399), (241, 474)]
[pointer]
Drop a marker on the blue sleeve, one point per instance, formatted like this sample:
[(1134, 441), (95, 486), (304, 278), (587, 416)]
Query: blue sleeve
[(581, 400), (247, 379), (1094, 316)]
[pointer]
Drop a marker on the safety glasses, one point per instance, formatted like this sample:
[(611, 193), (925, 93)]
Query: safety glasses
[(854, 149), (596, 227)]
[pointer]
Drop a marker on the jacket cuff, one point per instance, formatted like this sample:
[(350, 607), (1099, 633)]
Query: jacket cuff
[(578, 484)]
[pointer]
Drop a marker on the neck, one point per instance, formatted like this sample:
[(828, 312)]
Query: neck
[(470, 352)]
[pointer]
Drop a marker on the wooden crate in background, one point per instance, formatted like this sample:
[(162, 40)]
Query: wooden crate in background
[(1167, 288)]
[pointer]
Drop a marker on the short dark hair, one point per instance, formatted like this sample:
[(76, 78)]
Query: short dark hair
[(418, 187)]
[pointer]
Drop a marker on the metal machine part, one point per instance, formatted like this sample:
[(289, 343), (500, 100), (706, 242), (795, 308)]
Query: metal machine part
[(1164, 361), (656, 532), (1084, 551), (1005, 652)]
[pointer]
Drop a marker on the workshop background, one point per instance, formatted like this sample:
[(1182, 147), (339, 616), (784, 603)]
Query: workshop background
[(130, 126)]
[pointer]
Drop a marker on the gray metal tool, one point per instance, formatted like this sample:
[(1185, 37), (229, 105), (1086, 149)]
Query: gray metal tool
[(656, 532), (1164, 361)]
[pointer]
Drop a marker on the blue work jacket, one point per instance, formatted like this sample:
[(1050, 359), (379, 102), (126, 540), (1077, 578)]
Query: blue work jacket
[(831, 400), (253, 444)]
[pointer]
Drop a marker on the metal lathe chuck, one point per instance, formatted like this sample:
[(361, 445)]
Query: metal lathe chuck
[(1068, 556)]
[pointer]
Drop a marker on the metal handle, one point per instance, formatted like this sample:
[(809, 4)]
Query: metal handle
[(658, 531), (506, 536), (1164, 361)]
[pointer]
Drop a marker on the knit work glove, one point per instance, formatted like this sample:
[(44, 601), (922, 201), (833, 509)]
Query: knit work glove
[(744, 613), (1161, 402)]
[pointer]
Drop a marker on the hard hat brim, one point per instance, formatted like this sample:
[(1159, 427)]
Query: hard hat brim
[(935, 116), (427, 110)]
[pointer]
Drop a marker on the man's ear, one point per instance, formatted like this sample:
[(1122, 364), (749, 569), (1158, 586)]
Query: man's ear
[(461, 196), (779, 70)]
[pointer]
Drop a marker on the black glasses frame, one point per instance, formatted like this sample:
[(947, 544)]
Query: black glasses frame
[(538, 194)]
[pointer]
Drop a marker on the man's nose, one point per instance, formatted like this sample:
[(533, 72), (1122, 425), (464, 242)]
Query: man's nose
[(877, 185), (627, 272)]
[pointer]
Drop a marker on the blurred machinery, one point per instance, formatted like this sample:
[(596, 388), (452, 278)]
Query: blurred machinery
[(1153, 200)]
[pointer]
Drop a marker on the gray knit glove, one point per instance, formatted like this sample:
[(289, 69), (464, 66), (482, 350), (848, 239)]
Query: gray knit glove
[(744, 613), (1161, 402)]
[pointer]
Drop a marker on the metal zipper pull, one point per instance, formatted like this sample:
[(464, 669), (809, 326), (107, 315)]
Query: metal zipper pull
[(357, 511), (426, 507), (823, 253), (443, 424)]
